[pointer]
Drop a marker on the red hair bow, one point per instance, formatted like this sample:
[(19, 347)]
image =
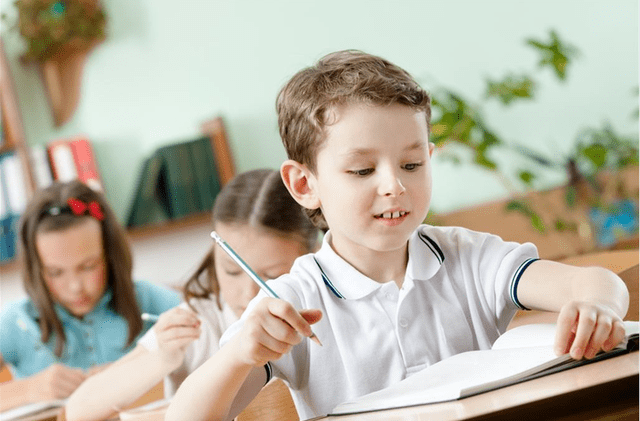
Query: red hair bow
[(78, 207)]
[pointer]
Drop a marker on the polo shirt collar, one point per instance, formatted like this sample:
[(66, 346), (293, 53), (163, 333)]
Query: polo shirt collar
[(346, 282)]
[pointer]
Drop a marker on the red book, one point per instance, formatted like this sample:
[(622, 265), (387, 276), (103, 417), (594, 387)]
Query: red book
[(85, 163)]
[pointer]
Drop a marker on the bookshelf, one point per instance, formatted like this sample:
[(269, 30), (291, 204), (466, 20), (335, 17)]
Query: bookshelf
[(13, 139)]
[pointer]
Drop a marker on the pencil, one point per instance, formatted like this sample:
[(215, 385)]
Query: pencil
[(254, 276), (149, 317)]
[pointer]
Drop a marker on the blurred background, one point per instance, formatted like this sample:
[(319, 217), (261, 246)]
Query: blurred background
[(164, 67)]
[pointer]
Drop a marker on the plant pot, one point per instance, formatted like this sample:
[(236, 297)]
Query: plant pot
[(614, 223)]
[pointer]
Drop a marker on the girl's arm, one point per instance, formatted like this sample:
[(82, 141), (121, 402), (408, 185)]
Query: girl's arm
[(124, 381), (56, 382), (227, 382), (591, 301)]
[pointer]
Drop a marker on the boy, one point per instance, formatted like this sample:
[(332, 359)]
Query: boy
[(394, 296)]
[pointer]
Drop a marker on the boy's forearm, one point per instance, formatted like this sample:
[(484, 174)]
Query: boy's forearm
[(548, 285), (116, 387), (209, 392)]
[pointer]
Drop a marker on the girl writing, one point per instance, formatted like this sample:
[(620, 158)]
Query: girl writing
[(83, 309), (256, 215)]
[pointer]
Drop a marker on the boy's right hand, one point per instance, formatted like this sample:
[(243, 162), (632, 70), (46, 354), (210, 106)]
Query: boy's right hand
[(272, 328), (175, 330), (57, 381)]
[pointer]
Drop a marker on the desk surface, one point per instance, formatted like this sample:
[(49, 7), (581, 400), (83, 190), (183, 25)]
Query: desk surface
[(588, 392)]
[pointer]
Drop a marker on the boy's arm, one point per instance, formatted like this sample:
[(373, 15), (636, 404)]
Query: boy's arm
[(221, 387), (591, 301)]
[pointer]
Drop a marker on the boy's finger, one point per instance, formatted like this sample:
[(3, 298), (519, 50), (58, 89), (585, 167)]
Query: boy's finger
[(564, 330), (600, 334), (290, 315), (616, 336), (586, 324)]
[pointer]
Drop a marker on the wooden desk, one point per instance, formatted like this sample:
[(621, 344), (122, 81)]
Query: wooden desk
[(606, 390)]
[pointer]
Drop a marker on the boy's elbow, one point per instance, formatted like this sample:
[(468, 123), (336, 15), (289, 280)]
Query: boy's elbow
[(612, 289)]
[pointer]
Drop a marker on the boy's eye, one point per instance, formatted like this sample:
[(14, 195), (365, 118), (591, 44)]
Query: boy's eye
[(362, 173), (413, 166)]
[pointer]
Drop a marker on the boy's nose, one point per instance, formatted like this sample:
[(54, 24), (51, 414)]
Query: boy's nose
[(391, 185)]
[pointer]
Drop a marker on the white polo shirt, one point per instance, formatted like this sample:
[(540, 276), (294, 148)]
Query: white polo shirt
[(458, 294)]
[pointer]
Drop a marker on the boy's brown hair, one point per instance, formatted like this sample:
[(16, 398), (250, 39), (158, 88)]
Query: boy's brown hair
[(344, 77)]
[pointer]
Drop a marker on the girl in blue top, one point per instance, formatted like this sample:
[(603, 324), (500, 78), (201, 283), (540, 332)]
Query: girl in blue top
[(83, 309)]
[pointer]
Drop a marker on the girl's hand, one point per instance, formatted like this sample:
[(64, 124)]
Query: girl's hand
[(57, 381), (585, 328), (175, 330), (272, 328)]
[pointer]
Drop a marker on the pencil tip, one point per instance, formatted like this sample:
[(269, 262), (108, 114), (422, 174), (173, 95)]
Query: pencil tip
[(315, 339)]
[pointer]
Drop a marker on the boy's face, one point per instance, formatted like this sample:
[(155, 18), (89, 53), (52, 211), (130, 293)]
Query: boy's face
[(373, 177)]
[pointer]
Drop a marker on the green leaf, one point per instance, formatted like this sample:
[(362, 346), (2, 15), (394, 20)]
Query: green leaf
[(526, 210), (511, 88), (527, 177), (554, 54), (597, 154)]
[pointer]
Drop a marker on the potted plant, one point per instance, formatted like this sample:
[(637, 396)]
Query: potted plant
[(593, 169), (59, 34)]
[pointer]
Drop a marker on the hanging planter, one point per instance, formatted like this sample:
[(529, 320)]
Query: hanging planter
[(59, 35)]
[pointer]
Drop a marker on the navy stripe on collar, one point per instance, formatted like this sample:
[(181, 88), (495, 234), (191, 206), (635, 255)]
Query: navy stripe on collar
[(433, 246), (328, 282)]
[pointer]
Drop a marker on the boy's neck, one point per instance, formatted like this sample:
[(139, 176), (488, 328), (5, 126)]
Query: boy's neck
[(381, 267)]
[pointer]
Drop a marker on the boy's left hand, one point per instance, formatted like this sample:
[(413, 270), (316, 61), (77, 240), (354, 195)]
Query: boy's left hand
[(584, 329)]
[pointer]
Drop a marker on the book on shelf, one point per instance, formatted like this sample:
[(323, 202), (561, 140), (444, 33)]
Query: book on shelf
[(520, 354), (85, 162), (40, 165), (176, 180), (13, 201), (61, 159), (72, 159)]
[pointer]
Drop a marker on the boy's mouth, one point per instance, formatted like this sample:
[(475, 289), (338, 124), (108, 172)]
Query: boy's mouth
[(391, 215)]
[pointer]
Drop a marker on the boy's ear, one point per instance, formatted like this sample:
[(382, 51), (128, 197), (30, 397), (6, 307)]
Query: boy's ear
[(299, 180)]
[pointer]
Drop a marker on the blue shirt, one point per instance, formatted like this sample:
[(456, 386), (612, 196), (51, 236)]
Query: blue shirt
[(99, 337)]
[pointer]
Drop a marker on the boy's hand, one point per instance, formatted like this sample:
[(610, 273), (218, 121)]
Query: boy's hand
[(58, 381), (175, 330), (272, 329), (584, 329)]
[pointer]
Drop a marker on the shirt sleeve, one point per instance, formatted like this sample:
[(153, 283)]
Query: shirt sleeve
[(155, 299), (9, 336)]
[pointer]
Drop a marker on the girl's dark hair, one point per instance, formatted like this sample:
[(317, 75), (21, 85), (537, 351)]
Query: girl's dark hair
[(49, 211), (260, 199)]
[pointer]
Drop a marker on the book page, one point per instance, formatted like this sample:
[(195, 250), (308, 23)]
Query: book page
[(30, 409), (455, 377)]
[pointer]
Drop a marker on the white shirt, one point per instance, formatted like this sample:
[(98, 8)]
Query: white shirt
[(458, 294), (214, 323)]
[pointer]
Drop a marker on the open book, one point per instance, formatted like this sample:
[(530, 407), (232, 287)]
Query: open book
[(31, 409), (520, 354)]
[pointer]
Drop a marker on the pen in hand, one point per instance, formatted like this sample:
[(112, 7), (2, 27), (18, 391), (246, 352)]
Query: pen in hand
[(149, 317), (254, 276)]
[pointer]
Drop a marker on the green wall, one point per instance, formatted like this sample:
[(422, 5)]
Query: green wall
[(167, 66)]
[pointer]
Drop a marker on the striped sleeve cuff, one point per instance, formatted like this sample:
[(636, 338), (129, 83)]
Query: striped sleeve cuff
[(516, 279), (269, 371)]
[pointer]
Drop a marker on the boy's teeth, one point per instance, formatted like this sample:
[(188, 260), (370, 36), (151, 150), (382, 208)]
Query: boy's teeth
[(390, 215)]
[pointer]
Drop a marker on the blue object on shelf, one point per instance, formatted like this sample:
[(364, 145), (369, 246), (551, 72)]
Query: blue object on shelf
[(612, 225)]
